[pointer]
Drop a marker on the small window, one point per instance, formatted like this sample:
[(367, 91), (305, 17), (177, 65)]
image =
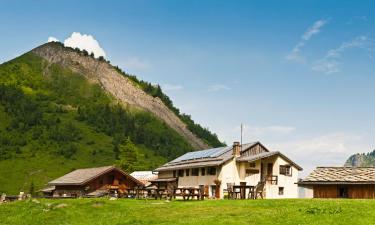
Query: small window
[(252, 165), (195, 172), (174, 173), (281, 190), (181, 173), (187, 172), (203, 171), (285, 170), (211, 171)]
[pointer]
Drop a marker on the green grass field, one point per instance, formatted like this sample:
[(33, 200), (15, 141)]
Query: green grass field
[(129, 211)]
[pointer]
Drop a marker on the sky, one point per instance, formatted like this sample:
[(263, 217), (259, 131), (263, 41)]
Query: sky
[(299, 75)]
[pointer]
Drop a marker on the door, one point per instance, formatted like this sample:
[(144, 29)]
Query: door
[(269, 169)]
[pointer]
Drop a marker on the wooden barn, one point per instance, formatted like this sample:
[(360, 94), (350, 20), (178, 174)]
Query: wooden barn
[(93, 182), (340, 182)]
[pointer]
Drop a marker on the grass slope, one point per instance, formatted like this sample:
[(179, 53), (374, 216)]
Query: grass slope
[(53, 121), (123, 211)]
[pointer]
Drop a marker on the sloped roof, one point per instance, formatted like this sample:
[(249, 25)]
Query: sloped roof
[(144, 176), (263, 155), (340, 175), (203, 158), (82, 176)]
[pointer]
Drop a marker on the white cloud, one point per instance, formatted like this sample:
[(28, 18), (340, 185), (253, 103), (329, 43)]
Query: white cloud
[(331, 149), (294, 55), (53, 39), (84, 42), (172, 87), (218, 87), (330, 62), (314, 29), (357, 18)]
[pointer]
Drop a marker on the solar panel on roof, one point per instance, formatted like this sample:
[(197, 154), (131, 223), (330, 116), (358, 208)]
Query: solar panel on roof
[(209, 153)]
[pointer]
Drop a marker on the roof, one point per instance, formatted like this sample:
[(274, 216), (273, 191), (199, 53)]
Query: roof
[(144, 176), (164, 180), (48, 189), (263, 155), (341, 175), (203, 158), (82, 176)]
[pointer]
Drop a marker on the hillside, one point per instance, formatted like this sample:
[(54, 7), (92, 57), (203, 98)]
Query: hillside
[(62, 109), (361, 159)]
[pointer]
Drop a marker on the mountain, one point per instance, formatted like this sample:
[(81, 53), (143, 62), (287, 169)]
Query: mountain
[(62, 109), (361, 159)]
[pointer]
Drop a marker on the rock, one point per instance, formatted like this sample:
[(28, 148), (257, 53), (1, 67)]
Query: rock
[(35, 201), (119, 86), (112, 198)]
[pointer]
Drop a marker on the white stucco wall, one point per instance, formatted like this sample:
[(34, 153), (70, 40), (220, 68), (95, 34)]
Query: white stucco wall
[(288, 182), (305, 192)]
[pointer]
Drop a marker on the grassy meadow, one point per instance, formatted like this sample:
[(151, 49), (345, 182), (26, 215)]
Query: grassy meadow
[(130, 211)]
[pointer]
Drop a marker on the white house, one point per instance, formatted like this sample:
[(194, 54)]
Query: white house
[(252, 163)]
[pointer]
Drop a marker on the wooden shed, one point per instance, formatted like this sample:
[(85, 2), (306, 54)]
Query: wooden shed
[(341, 182), (94, 182)]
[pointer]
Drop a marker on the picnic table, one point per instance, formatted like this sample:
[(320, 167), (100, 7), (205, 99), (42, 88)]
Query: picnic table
[(189, 192), (243, 188)]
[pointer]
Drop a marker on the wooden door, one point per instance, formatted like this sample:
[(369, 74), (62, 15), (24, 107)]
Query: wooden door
[(269, 168)]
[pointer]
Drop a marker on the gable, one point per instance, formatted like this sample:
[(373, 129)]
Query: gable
[(254, 150)]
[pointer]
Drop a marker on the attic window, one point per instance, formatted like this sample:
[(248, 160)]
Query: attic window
[(285, 170)]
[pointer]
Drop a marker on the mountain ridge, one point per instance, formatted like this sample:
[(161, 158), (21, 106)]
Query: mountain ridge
[(118, 86), (57, 116)]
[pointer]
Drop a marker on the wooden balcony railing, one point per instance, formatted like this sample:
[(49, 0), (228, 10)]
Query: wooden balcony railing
[(271, 179)]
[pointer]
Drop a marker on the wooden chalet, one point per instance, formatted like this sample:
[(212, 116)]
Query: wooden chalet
[(93, 182), (340, 182)]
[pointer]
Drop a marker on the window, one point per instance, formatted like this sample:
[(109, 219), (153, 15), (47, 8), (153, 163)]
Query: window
[(174, 173), (187, 172), (181, 173), (195, 172), (211, 171), (281, 190), (203, 171), (285, 170), (252, 165)]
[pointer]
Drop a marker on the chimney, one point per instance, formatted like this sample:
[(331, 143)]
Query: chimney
[(236, 148)]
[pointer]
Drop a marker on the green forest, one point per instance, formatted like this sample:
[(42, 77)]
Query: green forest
[(53, 121)]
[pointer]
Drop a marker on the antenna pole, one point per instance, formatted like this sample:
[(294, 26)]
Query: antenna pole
[(241, 135)]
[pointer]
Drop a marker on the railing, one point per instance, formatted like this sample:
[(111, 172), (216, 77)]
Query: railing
[(272, 179)]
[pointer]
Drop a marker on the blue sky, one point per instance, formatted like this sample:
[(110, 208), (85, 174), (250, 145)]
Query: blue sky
[(298, 74)]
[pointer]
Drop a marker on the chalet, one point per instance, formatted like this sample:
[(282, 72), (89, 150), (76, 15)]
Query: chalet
[(340, 182), (268, 173), (92, 182)]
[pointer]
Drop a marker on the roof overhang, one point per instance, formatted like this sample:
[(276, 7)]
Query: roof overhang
[(311, 183), (269, 154), (96, 176)]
